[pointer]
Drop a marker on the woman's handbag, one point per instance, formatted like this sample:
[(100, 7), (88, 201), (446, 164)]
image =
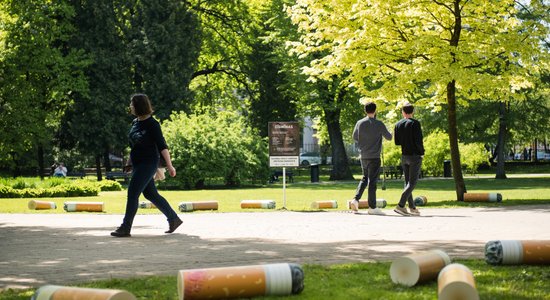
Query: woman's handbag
[(159, 174)]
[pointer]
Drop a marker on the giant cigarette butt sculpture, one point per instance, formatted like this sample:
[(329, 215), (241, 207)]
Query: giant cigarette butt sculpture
[(55, 292), (36, 205), (482, 197), (513, 252), (83, 206), (146, 204), (419, 267), (324, 204), (269, 204), (421, 200), (241, 282), (456, 282), (380, 203), (199, 205)]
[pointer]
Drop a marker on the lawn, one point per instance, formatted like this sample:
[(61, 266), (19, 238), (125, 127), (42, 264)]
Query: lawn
[(345, 281), (357, 281), (299, 196)]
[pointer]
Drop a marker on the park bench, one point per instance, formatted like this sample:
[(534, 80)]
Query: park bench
[(276, 174), (392, 171), (114, 175), (76, 174)]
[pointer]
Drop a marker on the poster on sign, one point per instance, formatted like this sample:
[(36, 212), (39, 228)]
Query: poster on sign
[(284, 144)]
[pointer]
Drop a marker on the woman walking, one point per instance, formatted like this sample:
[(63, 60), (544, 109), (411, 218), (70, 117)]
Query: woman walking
[(146, 142)]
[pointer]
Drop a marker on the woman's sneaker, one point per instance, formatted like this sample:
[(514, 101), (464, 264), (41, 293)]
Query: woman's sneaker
[(401, 210), (414, 211)]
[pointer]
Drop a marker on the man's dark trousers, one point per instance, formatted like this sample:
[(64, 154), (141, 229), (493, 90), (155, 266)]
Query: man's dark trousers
[(411, 164), (371, 172)]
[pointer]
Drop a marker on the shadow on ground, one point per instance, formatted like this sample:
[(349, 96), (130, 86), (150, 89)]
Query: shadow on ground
[(33, 256)]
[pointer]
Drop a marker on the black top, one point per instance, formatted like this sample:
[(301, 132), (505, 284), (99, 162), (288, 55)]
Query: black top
[(146, 140), (408, 134)]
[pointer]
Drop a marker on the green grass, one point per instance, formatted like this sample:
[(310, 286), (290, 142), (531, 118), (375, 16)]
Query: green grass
[(299, 196), (358, 281)]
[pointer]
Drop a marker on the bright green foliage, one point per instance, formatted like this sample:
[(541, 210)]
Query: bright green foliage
[(206, 147), (404, 46), (472, 156), (437, 150), (220, 78), (392, 153)]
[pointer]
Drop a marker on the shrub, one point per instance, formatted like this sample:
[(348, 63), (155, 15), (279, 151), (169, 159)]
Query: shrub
[(212, 148), (472, 156), (437, 150), (32, 188), (108, 185)]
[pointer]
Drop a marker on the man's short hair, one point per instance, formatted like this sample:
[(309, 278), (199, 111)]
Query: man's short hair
[(370, 107), (408, 108)]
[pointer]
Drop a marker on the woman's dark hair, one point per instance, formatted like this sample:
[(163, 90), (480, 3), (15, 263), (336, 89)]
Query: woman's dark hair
[(370, 107), (142, 105)]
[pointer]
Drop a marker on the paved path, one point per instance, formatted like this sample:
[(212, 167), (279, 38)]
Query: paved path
[(36, 249)]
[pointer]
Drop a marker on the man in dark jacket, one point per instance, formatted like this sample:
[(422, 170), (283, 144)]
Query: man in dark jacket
[(408, 134)]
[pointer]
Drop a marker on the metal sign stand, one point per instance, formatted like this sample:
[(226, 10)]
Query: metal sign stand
[(284, 189)]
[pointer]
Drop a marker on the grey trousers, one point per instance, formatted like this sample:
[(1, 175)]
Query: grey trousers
[(371, 172), (411, 164)]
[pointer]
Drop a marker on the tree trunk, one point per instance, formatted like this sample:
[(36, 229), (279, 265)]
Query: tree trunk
[(340, 165), (501, 174), (106, 161), (535, 150), (453, 141), (98, 167), (41, 162)]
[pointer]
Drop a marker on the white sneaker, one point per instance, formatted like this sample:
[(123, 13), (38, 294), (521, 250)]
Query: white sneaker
[(376, 211), (414, 211), (354, 205)]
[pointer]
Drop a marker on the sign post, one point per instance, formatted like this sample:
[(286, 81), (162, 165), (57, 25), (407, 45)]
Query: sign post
[(284, 148)]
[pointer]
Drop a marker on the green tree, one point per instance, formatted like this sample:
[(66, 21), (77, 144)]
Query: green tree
[(324, 100), (220, 78), (97, 121), (428, 52), (164, 46), (40, 73)]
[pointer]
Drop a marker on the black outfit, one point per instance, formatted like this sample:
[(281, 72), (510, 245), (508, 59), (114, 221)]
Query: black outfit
[(408, 134), (146, 141)]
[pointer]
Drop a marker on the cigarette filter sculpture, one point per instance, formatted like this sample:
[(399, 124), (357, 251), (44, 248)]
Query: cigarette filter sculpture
[(380, 203), (269, 204), (513, 252), (324, 204), (419, 267), (241, 282), (55, 292), (146, 204), (482, 197), (456, 282), (83, 206), (201, 205), (421, 200), (36, 205)]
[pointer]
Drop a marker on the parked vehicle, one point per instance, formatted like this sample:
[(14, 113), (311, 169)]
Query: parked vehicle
[(312, 158)]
